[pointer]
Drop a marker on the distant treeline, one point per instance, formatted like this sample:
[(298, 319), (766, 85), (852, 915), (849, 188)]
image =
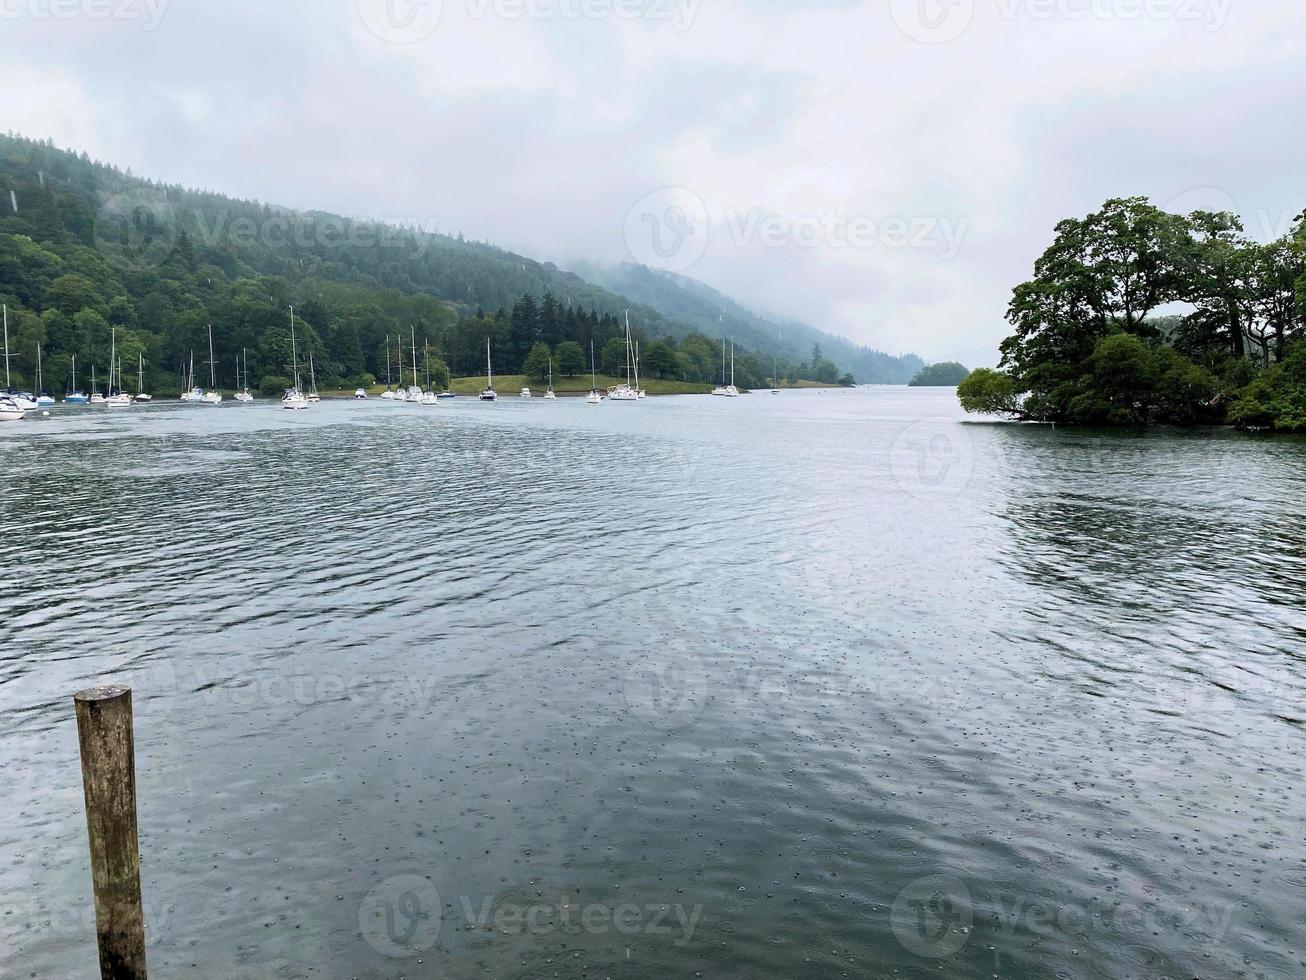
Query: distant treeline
[(1091, 348), (86, 250)]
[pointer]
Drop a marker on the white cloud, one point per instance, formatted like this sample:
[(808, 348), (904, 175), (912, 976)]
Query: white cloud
[(540, 132)]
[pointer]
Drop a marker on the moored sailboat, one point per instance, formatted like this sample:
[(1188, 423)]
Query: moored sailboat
[(294, 397), (488, 394), (141, 396)]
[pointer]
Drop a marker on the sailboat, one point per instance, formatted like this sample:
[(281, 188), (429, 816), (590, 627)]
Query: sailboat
[(414, 392), (96, 397), (720, 390), (775, 375), (594, 397), (488, 394), (192, 393), (389, 391), (75, 395), (242, 394), (9, 410), (313, 396), (731, 390), (141, 396), (550, 395), (294, 398), (429, 397), (116, 398), (25, 400), (626, 392), (43, 398), (212, 396)]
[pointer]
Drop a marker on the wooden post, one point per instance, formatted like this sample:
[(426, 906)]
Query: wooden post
[(104, 730)]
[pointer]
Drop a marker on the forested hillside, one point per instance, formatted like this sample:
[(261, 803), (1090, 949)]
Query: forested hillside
[(716, 314), (87, 250)]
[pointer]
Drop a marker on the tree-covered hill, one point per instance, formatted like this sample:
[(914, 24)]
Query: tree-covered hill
[(1091, 345), (947, 374), (715, 314), (88, 251)]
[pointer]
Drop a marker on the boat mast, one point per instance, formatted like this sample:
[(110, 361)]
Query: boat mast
[(387, 362), (213, 367), (140, 372), (113, 356), (594, 381), (6, 318), (413, 331), (294, 353), (38, 367), (732, 364), (489, 368)]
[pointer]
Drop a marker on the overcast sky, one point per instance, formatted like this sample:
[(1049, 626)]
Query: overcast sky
[(885, 169)]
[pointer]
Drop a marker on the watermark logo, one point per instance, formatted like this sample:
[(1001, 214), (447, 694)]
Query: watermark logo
[(401, 21), (833, 229), (932, 917), (1263, 224), (932, 21), (668, 229), (667, 689), (932, 458), (400, 918), (147, 13), (136, 229)]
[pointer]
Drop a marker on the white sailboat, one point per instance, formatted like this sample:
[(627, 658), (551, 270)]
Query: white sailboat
[(43, 398), (116, 398), (313, 396), (141, 396), (488, 394), (388, 394), (294, 398), (720, 390), (192, 393), (414, 392), (594, 397), (550, 395), (212, 396), (96, 397), (731, 390), (626, 392), (429, 397), (75, 395), (775, 375), (526, 393), (243, 394), (24, 400)]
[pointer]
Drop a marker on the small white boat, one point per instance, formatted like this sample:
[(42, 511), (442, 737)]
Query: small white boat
[(9, 410), (119, 400), (594, 397), (43, 398), (23, 401), (429, 398), (525, 393), (212, 396), (488, 394), (313, 396), (242, 391), (194, 395), (75, 398), (115, 398), (97, 398), (626, 392), (360, 394), (141, 396), (294, 398), (445, 394), (550, 395), (388, 395), (413, 394)]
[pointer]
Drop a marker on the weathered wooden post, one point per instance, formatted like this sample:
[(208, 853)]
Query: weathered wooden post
[(104, 730)]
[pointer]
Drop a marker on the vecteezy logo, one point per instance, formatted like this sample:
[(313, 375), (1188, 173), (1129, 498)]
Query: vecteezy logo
[(932, 458), (401, 21), (667, 229), (932, 21), (401, 916), (667, 689), (932, 917), (136, 229)]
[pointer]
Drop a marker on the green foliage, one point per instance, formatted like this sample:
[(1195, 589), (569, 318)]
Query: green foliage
[(947, 374), (1277, 399), (1087, 347), (613, 359), (536, 365), (988, 392), (273, 384), (570, 359)]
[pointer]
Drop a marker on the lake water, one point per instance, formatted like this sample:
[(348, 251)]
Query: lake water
[(815, 685)]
